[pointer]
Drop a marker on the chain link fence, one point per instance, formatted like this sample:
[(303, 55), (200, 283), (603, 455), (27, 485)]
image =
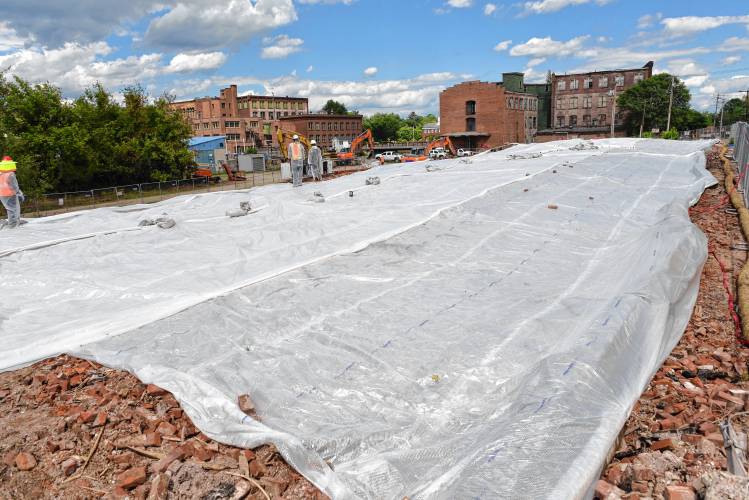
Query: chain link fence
[(56, 203), (740, 138)]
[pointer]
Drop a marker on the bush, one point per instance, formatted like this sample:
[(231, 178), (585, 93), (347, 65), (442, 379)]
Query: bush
[(670, 134), (647, 135)]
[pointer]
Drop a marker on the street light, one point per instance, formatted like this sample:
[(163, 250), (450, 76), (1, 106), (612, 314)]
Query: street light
[(612, 95)]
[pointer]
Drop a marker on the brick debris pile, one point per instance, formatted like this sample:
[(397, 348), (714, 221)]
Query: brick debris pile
[(71, 428), (672, 446)]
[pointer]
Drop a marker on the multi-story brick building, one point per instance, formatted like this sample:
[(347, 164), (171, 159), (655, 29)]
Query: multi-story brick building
[(514, 82), (246, 121), (324, 128), (486, 114), (583, 104)]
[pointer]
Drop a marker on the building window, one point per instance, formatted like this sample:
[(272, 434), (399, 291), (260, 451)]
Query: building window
[(534, 122), (602, 120), (574, 83), (561, 85), (253, 124), (588, 84), (560, 103), (573, 102), (603, 81), (587, 102), (270, 115), (639, 77), (285, 105), (560, 121), (620, 81), (573, 120), (254, 104), (470, 124), (586, 120), (223, 105), (470, 107)]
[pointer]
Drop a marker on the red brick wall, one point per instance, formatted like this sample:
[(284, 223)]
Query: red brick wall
[(502, 125)]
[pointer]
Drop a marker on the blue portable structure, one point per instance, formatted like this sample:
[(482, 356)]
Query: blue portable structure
[(204, 149)]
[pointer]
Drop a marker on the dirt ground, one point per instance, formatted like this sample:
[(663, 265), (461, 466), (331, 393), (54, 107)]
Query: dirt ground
[(73, 429), (672, 446)]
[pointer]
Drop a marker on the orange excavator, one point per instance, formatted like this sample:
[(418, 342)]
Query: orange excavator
[(442, 142), (348, 156)]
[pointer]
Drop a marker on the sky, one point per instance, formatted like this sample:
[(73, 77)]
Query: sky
[(372, 55)]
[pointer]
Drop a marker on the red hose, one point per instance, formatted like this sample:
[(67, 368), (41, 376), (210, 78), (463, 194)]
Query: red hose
[(731, 302)]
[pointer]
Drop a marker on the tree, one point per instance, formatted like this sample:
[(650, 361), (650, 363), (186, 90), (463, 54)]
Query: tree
[(384, 126), (92, 142), (648, 102), (334, 108), (409, 133), (734, 110)]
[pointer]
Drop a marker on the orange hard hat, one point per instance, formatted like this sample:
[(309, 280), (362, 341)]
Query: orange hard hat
[(7, 158)]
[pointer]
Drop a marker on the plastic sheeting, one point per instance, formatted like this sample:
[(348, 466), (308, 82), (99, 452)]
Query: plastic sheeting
[(467, 328)]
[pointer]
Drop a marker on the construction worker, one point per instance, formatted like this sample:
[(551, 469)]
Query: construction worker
[(10, 194), (297, 155), (315, 161)]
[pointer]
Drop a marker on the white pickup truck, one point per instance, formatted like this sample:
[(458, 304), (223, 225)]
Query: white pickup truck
[(389, 156), (438, 154), (465, 152)]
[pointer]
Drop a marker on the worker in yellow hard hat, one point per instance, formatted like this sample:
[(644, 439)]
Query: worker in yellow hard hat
[(11, 195)]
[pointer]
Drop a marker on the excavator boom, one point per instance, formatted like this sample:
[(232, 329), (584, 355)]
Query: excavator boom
[(285, 137)]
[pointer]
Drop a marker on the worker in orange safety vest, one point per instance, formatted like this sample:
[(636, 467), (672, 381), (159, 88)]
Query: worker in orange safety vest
[(11, 195), (297, 154)]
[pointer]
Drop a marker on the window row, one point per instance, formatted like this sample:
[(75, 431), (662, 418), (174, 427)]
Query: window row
[(261, 104), (588, 121), (333, 126), (524, 103), (603, 82), (272, 115), (587, 102)]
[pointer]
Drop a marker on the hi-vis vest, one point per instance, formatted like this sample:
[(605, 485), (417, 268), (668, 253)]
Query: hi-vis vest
[(5, 187), (296, 151)]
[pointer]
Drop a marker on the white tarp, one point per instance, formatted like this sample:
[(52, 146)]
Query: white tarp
[(474, 329)]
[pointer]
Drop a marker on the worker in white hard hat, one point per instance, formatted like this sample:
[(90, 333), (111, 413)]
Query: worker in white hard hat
[(315, 161), (11, 195), (297, 154)]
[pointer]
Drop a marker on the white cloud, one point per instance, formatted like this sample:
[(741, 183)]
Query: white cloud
[(734, 44), (310, 68), (548, 6), (280, 46), (694, 24), (696, 81), (501, 46), (536, 61), (184, 63), (196, 24), (489, 9), (648, 20), (460, 4), (731, 60), (73, 66), (9, 39), (371, 71), (545, 47), (708, 89), (420, 93), (53, 23), (684, 67)]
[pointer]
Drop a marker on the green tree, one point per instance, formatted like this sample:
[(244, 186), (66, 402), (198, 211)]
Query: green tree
[(91, 142), (734, 110), (409, 133), (648, 102), (384, 126), (334, 108)]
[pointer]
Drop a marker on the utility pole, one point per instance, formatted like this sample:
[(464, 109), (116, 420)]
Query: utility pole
[(720, 131), (670, 103), (715, 116), (746, 107), (612, 94)]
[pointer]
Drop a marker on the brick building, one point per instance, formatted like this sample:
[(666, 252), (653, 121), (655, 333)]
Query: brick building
[(246, 121), (486, 114), (514, 82), (583, 104), (324, 128)]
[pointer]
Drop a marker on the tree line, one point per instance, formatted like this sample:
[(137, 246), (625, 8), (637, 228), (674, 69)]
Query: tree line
[(386, 126), (90, 142)]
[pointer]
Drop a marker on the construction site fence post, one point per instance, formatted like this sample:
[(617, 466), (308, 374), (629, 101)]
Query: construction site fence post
[(740, 137)]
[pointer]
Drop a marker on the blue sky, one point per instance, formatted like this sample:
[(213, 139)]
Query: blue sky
[(373, 55)]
